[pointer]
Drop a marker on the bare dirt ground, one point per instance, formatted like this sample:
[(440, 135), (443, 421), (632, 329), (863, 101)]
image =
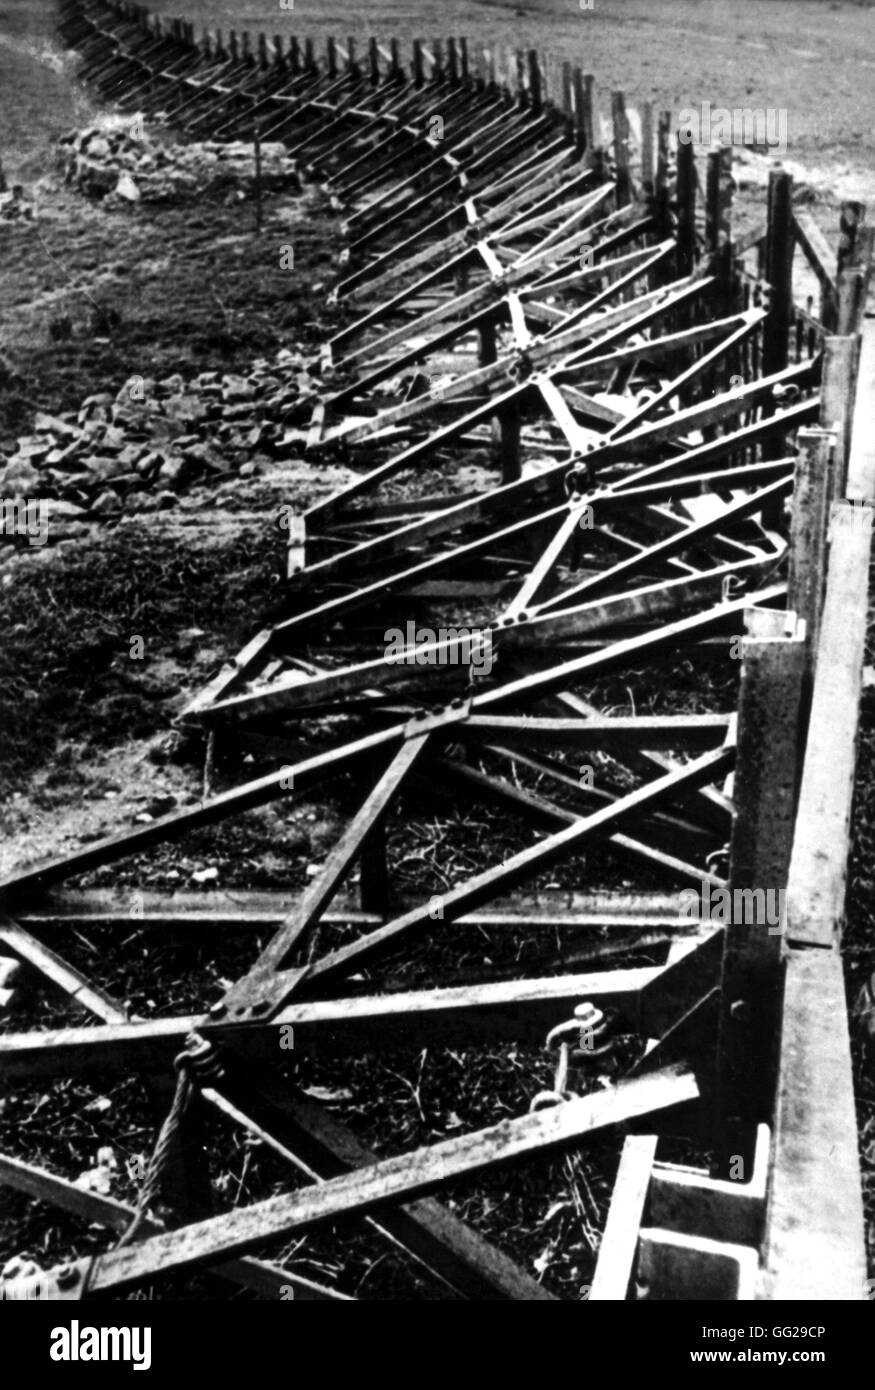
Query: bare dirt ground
[(88, 743)]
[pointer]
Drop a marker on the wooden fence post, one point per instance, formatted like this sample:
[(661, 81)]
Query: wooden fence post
[(535, 88), (452, 62), (780, 243), (765, 789), (718, 225), (812, 497), (620, 123), (840, 357), (686, 204)]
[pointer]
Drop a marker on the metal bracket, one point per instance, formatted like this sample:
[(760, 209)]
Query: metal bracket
[(843, 503), (786, 392), (495, 288), (731, 588), (520, 367), (578, 480), (257, 998), (423, 722)]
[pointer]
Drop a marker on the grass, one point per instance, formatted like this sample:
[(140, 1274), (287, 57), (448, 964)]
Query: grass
[(66, 672), (141, 295), (673, 52)]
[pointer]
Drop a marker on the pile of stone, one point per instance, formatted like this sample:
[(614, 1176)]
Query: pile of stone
[(120, 162), (14, 206), (139, 449)]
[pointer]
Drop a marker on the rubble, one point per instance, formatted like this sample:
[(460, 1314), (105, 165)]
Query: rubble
[(15, 206), (122, 164), (138, 449)]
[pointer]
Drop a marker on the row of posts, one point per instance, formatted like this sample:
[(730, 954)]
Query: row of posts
[(524, 77)]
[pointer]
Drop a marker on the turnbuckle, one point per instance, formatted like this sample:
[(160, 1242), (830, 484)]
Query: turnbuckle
[(588, 1027), (200, 1057)]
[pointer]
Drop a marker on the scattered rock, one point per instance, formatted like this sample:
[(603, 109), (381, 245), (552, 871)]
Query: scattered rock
[(161, 434), (105, 469), (176, 472), (19, 478), (122, 164), (19, 1268), (15, 206), (60, 510), (100, 1178), (107, 502), (127, 189), (205, 876)]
